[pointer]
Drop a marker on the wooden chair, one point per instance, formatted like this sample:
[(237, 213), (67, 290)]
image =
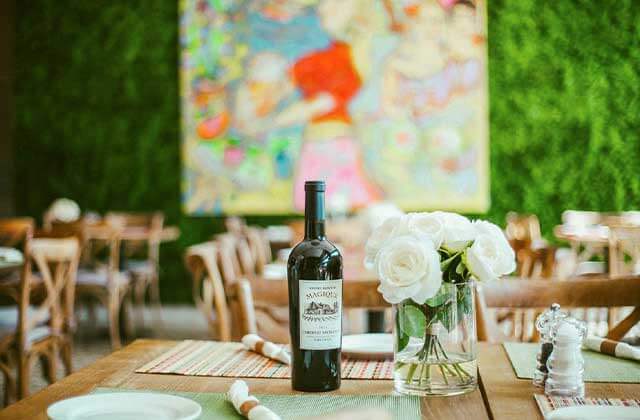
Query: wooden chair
[(144, 271), (39, 325), (63, 251), (103, 281), (228, 315), (535, 257), (236, 264), (208, 290), (578, 292)]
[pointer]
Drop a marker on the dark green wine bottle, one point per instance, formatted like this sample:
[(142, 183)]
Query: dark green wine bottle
[(315, 301)]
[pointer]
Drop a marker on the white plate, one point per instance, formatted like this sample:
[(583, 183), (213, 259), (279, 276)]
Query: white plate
[(594, 412), (125, 406), (368, 346)]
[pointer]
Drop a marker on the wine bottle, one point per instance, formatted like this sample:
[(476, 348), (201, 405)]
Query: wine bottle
[(314, 273)]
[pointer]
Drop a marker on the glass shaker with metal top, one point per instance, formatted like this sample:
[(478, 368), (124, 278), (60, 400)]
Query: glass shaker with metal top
[(544, 324)]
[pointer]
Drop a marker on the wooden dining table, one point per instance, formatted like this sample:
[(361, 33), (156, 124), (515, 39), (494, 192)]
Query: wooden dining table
[(500, 395)]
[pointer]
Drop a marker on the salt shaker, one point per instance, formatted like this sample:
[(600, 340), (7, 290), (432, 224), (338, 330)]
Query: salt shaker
[(566, 365), (544, 322)]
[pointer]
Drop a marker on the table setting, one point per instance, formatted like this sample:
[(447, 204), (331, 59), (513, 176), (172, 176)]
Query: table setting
[(430, 366)]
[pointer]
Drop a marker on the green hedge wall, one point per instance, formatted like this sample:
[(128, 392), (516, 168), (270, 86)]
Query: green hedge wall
[(97, 111)]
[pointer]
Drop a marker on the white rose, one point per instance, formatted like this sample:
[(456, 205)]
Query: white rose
[(427, 224), (458, 230), (408, 267), (379, 237), (490, 256)]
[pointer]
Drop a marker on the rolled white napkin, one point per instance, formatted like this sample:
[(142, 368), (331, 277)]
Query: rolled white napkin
[(257, 344), (247, 405), (611, 347)]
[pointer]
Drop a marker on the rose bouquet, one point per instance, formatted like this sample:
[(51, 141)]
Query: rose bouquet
[(426, 264)]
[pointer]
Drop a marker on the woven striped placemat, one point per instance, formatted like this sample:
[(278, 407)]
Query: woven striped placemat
[(213, 358), (296, 407), (548, 404)]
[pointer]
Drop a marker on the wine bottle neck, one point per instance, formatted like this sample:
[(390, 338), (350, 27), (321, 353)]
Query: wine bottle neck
[(314, 215)]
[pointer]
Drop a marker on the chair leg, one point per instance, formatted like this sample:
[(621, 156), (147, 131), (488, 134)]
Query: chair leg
[(154, 295), (66, 352), (24, 375), (139, 289), (128, 323), (113, 313), (50, 364), (9, 383)]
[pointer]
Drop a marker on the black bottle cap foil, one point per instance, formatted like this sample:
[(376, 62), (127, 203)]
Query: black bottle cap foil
[(314, 186)]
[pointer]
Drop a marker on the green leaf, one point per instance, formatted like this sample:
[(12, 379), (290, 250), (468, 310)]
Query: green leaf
[(412, 321), (442, 297), (446, 317), (444, 264), (463, 302), (403, 339)]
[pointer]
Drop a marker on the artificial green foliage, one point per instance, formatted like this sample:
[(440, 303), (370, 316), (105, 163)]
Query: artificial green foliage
[(564, 91), (97, 111)]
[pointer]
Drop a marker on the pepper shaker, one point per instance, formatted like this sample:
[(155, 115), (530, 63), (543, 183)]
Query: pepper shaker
[(544, 324)]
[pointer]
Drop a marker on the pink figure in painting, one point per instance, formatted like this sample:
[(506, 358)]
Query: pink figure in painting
[(328, 80)]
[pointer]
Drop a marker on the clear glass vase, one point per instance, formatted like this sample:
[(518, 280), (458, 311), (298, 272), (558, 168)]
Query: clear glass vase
[(435, 343)]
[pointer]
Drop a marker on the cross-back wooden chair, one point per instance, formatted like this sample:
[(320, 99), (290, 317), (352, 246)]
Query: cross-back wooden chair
[(578, 292), (535, 259), (268, 319), (97, 279), (62, 250), (144, 270), (57, 261), (38, 325), (228, 308)]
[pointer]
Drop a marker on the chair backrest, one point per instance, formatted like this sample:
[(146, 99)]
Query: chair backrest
[(152, 223), (57, 262), (235, 225), (579, 292), (234, 256), (101, 236), (208, 289), (534, 257), (522, 229), (259, 246), (18, 232)]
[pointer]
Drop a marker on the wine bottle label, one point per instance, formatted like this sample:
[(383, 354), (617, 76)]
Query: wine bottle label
[(320, 314)]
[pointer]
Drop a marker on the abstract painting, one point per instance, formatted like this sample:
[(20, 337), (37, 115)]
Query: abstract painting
[(385, 100)]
